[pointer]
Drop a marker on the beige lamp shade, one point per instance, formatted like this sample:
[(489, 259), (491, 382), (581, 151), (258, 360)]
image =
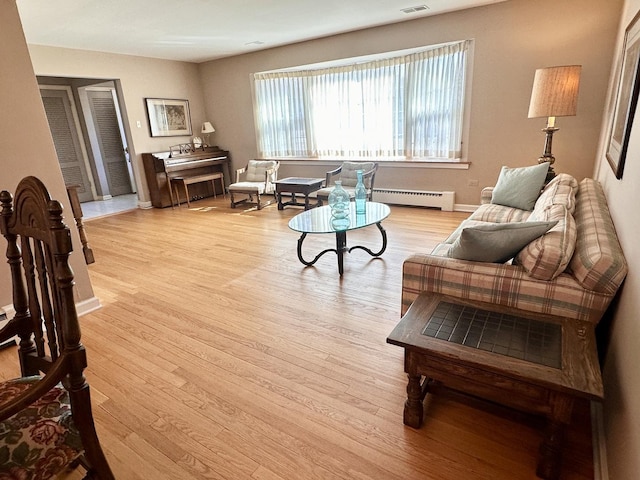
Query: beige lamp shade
[(555, 92), (207, 128)]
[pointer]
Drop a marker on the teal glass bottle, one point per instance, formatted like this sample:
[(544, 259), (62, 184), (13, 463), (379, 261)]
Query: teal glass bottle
[(339, 204), (360, 194)]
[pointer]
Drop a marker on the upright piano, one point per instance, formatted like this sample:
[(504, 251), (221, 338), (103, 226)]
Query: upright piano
[(181, 161)]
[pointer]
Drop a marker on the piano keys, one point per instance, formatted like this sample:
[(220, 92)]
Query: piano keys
[(161, 167)]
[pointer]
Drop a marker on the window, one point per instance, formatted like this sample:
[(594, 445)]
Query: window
[(404, 107)]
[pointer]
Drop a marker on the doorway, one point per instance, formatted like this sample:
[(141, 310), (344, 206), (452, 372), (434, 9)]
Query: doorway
[(65, 130), (91, 142)]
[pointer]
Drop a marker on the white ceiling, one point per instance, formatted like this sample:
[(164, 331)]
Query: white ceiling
[(201, 30)]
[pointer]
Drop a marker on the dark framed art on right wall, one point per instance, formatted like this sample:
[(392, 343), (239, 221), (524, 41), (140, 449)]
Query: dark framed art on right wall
[(626, 98)]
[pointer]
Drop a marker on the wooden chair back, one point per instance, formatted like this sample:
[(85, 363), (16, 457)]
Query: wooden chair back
[(38, 247), (45, 321), (347, 174)]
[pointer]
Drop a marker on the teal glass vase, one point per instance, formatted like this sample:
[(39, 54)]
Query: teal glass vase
[(360, 194), (339, 204)]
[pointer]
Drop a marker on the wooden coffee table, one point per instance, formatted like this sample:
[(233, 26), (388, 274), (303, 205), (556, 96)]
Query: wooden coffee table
[(294, 185), (535, 363)]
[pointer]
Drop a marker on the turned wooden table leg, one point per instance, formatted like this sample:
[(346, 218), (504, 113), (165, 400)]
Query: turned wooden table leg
[(413, 409), (550, 462), (551, 452)]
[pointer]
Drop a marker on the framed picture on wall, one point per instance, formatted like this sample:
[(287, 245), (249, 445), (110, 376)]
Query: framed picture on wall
[(626, 98), (167, 117)]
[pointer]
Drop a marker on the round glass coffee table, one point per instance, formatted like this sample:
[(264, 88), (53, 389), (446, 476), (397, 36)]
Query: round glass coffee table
[(318, 220)]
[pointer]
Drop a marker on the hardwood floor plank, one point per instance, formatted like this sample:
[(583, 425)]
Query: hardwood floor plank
[(264, 474)]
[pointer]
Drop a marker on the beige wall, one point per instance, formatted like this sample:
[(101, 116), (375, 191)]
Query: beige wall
[(25, 140), (512, 39), (139, 78), (621, 375)]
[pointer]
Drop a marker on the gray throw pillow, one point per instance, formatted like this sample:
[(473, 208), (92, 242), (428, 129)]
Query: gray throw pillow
[(520, 187), (496, 242)]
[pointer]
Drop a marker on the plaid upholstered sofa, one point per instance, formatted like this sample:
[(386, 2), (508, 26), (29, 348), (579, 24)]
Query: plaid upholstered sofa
[(574, 270)]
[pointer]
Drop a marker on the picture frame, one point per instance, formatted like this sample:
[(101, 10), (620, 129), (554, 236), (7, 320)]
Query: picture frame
[(626, 98), (168, 117)]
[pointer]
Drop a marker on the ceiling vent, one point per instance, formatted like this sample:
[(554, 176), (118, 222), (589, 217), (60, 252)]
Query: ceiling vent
[(419, 8)]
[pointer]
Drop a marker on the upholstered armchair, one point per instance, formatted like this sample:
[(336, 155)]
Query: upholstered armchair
[(347, 174), (253, 180)]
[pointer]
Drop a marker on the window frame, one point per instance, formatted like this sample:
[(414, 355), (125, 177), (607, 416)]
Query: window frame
[(464, 125)]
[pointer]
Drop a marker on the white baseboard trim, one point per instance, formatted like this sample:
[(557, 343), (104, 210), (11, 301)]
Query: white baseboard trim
[(144, 205), (88, 306), (82, 308), (9, 311), (600, 466), (462, 207)]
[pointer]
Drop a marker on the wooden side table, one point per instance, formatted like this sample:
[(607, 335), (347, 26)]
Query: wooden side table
[(535, 363), (294, 185)]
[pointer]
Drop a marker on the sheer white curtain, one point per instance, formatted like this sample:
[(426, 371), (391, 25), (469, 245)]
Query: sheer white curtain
[(353, 111), (408, 106), (435, 102), (280, 109)]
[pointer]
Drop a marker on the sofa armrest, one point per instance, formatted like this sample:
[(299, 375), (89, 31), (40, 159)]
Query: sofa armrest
[(500, 284), (270, 177), (485, 195), (239, 172)]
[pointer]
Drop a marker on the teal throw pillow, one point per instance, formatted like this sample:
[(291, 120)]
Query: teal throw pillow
[(520, 187), (496, 242)]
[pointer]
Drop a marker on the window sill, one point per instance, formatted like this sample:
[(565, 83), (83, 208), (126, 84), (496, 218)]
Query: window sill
[(429, 164)]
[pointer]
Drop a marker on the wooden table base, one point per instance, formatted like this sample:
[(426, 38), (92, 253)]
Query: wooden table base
[(522, 377), (301, 186), (341, 248)]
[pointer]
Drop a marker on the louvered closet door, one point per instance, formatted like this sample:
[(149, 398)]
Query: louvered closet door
[(103, 112), (66, 140)]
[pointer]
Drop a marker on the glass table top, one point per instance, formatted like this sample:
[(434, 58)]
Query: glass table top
[(318, 220), (299, 181)]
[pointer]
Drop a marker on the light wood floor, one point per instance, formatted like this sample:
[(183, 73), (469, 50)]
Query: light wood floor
[(217, 355)]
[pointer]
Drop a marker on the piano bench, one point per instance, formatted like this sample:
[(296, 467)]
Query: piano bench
[(186, 181)]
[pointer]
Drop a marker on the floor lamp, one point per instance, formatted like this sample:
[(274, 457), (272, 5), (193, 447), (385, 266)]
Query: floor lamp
[(554, 94)]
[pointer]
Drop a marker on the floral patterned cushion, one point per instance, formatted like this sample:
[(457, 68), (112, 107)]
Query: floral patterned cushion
[(40, 441)]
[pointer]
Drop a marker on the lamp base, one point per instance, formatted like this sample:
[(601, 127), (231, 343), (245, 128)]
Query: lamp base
[(547, 156), (550, 173)]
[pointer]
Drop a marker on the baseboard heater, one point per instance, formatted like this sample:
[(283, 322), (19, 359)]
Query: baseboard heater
[(442, 200)]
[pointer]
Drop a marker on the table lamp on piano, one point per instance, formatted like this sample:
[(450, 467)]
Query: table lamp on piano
[(207, 129)]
